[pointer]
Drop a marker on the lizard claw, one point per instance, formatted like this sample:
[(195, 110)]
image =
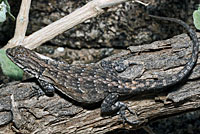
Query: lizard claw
[(123, 116)]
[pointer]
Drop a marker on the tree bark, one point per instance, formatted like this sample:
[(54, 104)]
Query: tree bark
[(22, 111)]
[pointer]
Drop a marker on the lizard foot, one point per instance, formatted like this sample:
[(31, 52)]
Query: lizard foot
[(110, 105), (38, 92), (121, 112)]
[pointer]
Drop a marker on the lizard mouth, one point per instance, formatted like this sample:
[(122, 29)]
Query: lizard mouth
[(9, 52)]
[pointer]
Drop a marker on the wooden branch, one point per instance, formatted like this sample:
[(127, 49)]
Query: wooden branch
[(21, 25), (49, 32), (58, 114), (91, 9)]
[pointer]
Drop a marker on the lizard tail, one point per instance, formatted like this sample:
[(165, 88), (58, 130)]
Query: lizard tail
[(149, 86)]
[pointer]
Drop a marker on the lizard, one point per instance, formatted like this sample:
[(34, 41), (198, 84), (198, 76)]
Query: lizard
[(94, 83)]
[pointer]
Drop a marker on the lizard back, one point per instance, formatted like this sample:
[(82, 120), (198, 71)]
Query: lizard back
[(87, 83)]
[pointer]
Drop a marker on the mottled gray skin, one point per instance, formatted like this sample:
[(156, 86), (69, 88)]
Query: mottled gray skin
[(91, 83)]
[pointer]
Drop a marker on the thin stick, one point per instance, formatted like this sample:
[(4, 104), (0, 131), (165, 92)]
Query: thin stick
[(47, 33), (21, 24)]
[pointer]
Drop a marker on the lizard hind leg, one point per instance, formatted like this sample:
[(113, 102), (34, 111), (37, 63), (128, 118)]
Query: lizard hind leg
[(110, 105), (116, 66)]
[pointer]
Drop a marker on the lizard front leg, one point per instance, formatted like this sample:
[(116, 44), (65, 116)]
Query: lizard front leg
[(47, 87), (110, 105)]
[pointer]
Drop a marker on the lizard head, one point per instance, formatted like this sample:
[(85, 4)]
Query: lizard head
[(18, 55), (17, 52), (25, 59)]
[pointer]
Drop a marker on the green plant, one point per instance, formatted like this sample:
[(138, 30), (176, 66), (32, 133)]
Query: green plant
[(5, 10), (9, 68), (196, 17)]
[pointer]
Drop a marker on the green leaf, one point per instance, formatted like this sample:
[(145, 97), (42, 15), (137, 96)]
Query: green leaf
[(3, 11), (196, 17), (8, 10), (9, 68)]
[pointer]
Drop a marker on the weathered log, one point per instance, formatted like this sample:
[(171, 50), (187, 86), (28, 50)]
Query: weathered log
[(22, 111)]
